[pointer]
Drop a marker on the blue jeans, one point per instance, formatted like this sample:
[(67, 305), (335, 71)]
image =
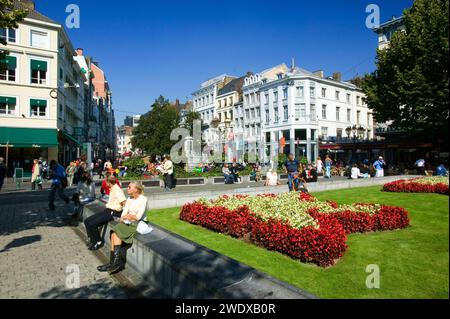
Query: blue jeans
[(292, 181), (328, 171)]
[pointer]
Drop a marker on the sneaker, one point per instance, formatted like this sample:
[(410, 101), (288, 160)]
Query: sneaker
[(96, 246)]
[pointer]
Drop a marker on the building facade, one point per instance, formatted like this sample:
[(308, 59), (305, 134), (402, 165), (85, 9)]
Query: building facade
[(46, 108)]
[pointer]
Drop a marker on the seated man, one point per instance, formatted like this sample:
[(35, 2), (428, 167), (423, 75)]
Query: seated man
[(113, 209), (235, 172), (228, 178), (309, 175), (441, 170)]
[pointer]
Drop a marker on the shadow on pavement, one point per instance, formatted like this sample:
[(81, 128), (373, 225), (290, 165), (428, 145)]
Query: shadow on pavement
[(21, 242)]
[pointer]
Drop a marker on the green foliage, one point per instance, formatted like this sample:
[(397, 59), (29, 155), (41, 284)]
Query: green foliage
[(134, 165), (191, 116), (152, 135), (9, 18), (410, 85)]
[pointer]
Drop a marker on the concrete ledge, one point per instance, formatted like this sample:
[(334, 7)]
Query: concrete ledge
[(169, 200), (184, 269)]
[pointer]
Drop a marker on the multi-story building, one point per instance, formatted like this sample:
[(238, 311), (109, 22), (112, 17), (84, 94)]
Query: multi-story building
[(132, 121), (124, 136), (293, 110), (386, 30), (46, 108), (40, 84)]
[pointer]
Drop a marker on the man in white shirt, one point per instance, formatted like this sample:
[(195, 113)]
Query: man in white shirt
[(167, 170), (114, 208), (420, 164), (355, 173)]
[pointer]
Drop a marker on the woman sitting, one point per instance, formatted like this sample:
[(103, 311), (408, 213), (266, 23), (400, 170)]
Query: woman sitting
[(113, 209), (271, 178), (125, 230), (85, 193)]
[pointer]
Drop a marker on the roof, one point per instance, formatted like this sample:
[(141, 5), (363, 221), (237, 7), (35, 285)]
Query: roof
[(233, 86), (389, 23), (32, 14)]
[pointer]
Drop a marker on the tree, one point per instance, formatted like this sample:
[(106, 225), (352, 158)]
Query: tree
[(9, 18), (191, 116), (410, 85), (152, 135)]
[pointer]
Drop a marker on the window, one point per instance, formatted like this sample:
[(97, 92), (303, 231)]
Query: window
[(358, 117), (300, 91), (39, 39), (338, 95), (9, 35), (38, 108), (286, 112), (275, 96), (324, 92), (312, 112), (258, 112), (252, 112), (324, 131), (358, 98), (300, 112), (38, 72), (267, 116), (349, 114), (220, 103), (339, 133), (312, 92), (225, 102), (285, 93), (257, 98), (338, 112), (369, 119), (324, 112), (231, 100), (266, 98), (280, 76), (246, 99), (7, 105), (9, 72), (276, 114), (348, 98), (247, 114)]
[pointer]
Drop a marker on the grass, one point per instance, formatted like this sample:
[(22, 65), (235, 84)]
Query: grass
[(413, 262)]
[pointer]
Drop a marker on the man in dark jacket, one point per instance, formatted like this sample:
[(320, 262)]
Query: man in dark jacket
[(57, 175)]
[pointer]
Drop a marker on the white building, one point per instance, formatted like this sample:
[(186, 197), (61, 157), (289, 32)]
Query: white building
[(41, 92), (295, 109)]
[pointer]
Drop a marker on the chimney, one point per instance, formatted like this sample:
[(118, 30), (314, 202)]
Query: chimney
[(337, 76), (80, 52), (28, 4), (249, 73), (319, 74)]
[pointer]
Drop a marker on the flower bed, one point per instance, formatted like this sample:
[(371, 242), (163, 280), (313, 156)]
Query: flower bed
[(296, 225), (439, 185)]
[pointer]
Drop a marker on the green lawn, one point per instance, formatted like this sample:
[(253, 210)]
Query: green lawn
[(413, 262)]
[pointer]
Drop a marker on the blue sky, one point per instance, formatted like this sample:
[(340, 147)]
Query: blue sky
[(148, 48)]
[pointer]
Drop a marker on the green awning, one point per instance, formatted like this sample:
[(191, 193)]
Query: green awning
[(10, 61), (70, 137), (38, 65), (34, 102), (8, 100), (28, 137)]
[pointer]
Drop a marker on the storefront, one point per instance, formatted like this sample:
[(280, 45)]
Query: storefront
[(20, 146)]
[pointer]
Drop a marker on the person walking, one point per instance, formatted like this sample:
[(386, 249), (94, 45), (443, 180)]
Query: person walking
[(36, 175), (379, 167), (58, 177), (328, 164), (291, 167), (167, 170), (70, 171), (3, 170), (319, 166)]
